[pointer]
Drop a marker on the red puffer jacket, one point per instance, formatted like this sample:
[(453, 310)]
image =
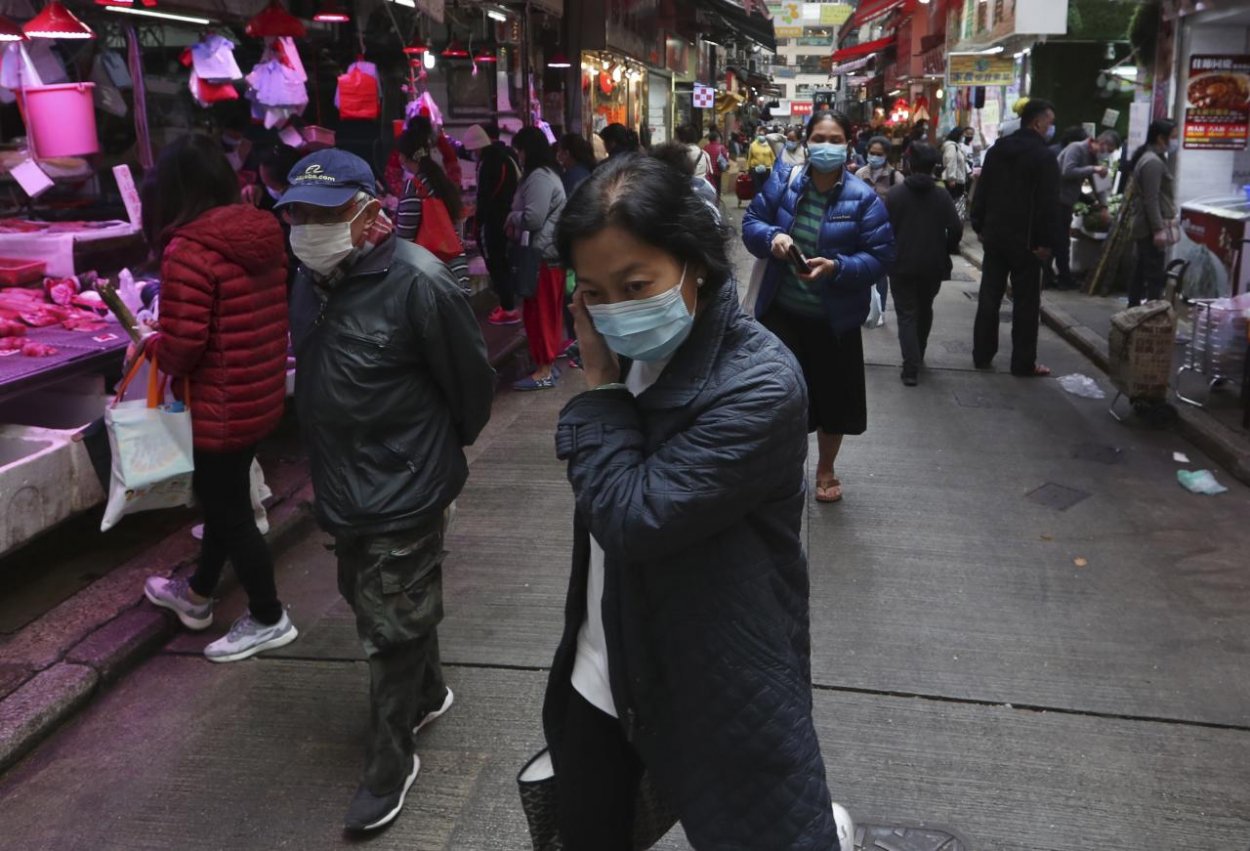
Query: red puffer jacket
[(223, 324)]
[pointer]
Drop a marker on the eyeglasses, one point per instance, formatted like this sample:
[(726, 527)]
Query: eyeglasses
[(306, 214)]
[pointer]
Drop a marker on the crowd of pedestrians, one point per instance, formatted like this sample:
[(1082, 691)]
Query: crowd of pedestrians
[(684, 658)]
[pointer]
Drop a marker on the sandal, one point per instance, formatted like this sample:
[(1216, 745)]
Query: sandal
[(829, 491)]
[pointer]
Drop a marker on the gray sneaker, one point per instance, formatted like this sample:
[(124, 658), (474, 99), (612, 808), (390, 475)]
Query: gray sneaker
[(175, 594), (248, 636)]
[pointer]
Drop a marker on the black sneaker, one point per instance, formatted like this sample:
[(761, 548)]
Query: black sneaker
[(435, 714), (910, 379), (369, 811)]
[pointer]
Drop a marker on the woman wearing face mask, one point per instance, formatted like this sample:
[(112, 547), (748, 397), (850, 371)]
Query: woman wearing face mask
[(424, 178), (689, 595), (760, 159), (532, 222), (793, 153), (882, 176), (223, 334), (840, 226), (1154, 223), (954, 164)]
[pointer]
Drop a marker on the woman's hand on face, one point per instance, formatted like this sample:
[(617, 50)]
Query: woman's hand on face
[(781, 245), (599, 363), (819, 267)]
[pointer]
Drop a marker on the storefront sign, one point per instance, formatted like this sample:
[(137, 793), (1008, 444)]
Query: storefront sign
[(1217, 105), (980, 71), (835, 14), (787, 32), (704, 97), (130, 194), (800, 107)]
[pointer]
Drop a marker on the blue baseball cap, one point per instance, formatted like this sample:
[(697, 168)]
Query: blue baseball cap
[(329, 178)]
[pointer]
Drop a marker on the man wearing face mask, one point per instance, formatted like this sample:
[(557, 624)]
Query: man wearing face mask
[(393, 383), (1015, 215), (1078, 162)]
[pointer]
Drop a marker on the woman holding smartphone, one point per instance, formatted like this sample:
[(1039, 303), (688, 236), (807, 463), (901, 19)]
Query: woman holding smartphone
[(817, 303)]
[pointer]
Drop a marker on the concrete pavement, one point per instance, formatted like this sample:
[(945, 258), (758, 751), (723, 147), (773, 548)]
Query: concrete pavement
[(1023, 628)]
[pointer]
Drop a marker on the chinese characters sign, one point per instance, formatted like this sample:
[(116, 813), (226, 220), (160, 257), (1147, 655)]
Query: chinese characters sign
[(1217, 111), (980, 71)]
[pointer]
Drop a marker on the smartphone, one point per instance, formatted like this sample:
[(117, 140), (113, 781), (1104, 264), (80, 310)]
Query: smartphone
[(799, 261)]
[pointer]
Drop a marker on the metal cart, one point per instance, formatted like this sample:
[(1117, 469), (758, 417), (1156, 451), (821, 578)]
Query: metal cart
[(1217, 349)]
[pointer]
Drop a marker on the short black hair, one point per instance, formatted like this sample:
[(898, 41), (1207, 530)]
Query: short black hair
[(615, 135), (676, 154), (687, 133), (923, 157), (193, 176), (1034, 110), (879, 140), (492, 130), (538, 154), (280, 161), (956, 134), (822, 114), (713, 136), (655, 203)]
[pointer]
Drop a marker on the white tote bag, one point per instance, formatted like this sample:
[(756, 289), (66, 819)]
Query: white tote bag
[(152, 451), (752, 295)]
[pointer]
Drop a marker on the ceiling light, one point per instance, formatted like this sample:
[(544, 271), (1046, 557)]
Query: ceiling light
[(428, 60), (895, 92), (455, 50), (416, 48), (273, 21), (411, 4), (486, 54), (998, 48), (617, 73), (940, 93), (495, 15), (55, 21), (331, 13), (10, 31), (559, 60), (165, 16)]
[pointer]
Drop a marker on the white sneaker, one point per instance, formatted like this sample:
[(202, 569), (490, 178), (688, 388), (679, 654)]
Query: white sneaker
[(175, 594), (437, 713), (248, 636), (846, 828)]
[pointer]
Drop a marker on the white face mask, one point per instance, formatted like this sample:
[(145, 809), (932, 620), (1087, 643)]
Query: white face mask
[(323, 247)]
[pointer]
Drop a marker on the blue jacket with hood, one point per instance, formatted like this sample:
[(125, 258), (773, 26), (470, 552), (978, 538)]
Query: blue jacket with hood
[(855, 232)]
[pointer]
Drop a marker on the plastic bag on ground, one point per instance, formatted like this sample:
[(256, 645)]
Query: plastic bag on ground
[(1082, 385), (1200, 481)]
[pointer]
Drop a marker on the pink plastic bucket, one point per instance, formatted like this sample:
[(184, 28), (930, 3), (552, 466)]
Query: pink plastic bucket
[(61, 119)]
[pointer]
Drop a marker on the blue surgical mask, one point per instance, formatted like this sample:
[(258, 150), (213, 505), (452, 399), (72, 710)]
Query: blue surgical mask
[(826, 156), (876, 161), (647, 329), (790, 146), (1050, 132), (1174, 145)]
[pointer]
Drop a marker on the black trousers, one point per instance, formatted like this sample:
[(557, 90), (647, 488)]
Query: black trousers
[(494, 246), (1063, 250), (223, 487), (1025, 272), (597, 777), (1150, 274), (913, 304), (394, 584)]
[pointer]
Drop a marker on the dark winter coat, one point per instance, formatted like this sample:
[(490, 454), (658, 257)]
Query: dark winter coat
[(926, 226), (695, 490), (1016, 205), (224, 324), (393, 383), (856, 233)]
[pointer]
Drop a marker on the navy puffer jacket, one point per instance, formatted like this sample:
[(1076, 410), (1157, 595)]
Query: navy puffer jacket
[(856, 233), (695, 489)]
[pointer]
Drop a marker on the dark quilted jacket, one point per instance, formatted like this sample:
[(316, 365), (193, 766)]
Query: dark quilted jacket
[(856, 233), (224, 324), (696, 490)]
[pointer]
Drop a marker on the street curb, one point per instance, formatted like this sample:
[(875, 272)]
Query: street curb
[(35, 709), (1225, 446)]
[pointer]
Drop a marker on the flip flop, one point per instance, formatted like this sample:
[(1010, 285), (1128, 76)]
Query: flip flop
[(830, 491)]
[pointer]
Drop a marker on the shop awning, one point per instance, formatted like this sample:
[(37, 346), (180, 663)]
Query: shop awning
[(849, 67), (751, 24), (865, 49), (868, 10)]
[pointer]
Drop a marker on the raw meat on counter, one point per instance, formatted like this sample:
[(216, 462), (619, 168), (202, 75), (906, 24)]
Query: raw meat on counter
[(59, 303), (28, 348), (9, 328)]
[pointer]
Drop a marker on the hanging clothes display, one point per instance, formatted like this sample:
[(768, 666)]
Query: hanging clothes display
[(213, 59), (276, 86), (134, 63), (358, 94)]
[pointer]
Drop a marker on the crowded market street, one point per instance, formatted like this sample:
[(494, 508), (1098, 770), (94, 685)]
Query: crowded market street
[(1022, 630)]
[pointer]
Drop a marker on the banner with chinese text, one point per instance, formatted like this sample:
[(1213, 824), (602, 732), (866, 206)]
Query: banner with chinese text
[(980, 71), (1217, 103)]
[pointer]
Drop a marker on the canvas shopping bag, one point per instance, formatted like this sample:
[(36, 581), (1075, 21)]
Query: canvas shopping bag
[(152, 451)]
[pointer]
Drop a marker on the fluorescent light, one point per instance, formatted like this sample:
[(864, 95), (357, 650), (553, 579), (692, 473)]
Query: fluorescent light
[(998, 48), (411, 4), (1128, 72), (165, 16), (895, 92), (496, 16)]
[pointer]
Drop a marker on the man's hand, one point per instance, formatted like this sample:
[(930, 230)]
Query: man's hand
[(1161, 239), (781, 245), (599, 363), (819, 267), (1043, 254), (1102, 171)]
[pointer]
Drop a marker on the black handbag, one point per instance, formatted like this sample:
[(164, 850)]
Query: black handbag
[(653, 817), (524, 262)]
